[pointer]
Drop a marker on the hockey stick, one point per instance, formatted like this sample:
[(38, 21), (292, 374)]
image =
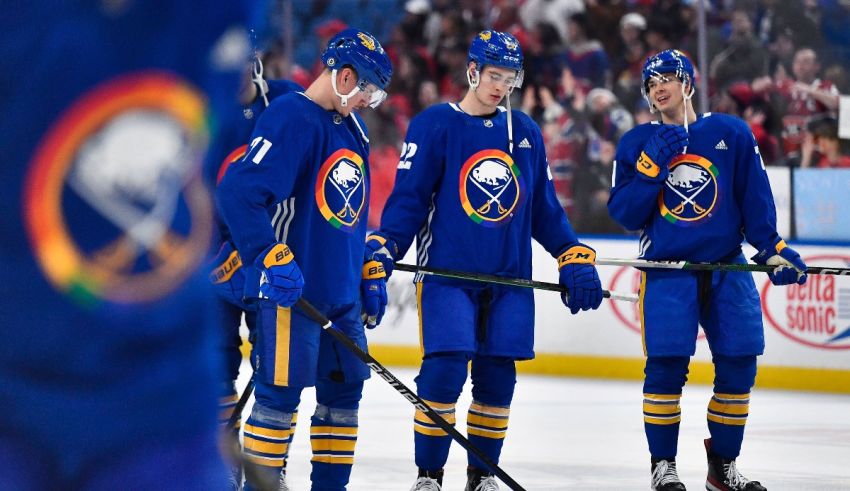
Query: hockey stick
[(240, 404), (689, 266), (408, 394), (489, 278)]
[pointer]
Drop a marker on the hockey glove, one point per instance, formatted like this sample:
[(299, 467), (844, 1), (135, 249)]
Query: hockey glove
[(373, 293), (280, 278), (380, 247), (578, 274), (666, 143), (790, 268), (227, 275)]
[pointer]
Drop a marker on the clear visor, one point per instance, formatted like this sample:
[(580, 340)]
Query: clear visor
[(375, 95), (514, 82)]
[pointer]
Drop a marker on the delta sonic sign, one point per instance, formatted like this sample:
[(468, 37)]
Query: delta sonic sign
[(815, 315)]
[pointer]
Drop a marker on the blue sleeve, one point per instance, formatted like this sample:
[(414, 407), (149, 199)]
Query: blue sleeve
[(549, 224), (753, 194), (265, 176), (420, 169), (632, 199)]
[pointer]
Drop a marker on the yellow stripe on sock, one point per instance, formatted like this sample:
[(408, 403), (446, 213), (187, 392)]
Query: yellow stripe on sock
[(266, 447), (661, 408), (727, 420), (332, 444), (732, 409), (267, 432), (334, 430), (662, 421), (265, 461), (333, 459)]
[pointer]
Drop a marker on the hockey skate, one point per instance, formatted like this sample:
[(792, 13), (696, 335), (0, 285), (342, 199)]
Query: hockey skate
[(723, 474), (478, 480), (664, 476), (428, 481)]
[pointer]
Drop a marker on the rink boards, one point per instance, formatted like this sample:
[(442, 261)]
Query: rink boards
[(807, 328)]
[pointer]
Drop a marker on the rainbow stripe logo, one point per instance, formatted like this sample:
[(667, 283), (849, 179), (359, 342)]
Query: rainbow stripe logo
[(491, 188), (115, 209), (690, 192), (341, 189)]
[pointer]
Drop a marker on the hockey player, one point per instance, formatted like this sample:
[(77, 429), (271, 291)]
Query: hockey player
[(695, 186), (474, 199), (226, 274), (306, 169), (110, 380)]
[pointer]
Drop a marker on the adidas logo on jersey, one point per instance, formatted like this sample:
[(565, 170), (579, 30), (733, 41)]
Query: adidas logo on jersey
[(721, 145), (524, 143)]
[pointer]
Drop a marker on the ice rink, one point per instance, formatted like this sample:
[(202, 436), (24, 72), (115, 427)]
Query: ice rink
[(587, 434)]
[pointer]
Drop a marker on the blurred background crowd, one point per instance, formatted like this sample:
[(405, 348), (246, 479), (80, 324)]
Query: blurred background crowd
[(778, 64)]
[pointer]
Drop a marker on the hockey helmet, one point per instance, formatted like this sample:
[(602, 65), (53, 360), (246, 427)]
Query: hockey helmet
[(499, 49), (667, 61), (362, 52)]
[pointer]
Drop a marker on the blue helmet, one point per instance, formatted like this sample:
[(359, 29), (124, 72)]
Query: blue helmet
[(668, 61), (362, 52), (498, 49)]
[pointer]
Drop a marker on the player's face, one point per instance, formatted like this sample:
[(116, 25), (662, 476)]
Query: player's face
[(665, 91), (495, 83)]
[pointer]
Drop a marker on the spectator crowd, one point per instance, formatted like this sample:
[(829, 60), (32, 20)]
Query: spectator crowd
[(778, 64)]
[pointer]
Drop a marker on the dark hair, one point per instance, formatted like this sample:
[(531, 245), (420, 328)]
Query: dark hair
[(824, 126)]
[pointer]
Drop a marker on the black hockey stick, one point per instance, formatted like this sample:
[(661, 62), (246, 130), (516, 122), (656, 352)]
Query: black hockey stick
[(408, 394), (240, 405), (689, 266), (489, 278)]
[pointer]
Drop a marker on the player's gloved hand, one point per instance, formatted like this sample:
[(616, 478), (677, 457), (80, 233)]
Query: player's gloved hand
[(579, 276), (666, 143), (373, 293), (280, 278), (227, 275), (380, 247), (790, 268)]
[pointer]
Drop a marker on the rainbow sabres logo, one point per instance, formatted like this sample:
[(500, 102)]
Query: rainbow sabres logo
[(691, 190), (341, 189), (115, 210), (491, 188)]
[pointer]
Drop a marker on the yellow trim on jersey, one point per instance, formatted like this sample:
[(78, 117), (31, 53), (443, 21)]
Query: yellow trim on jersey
[(419, 311), (281, 348), (641, 297)]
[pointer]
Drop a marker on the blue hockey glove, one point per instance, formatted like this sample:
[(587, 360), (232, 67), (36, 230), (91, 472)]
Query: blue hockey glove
[(227, 275), (578, 274), (373, 293), (280, 278), (666, 143), (790, 268), (381, 248)]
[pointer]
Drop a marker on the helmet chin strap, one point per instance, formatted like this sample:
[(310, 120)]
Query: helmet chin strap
[(343, 98), (686, 96), (474, 78)]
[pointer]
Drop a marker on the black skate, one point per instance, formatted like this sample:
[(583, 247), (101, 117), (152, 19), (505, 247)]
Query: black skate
[(478, 480), (664, 476), (428, 481), (723, 474)]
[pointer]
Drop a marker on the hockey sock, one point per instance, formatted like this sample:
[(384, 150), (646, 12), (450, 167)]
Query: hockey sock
[(439, 383), (730, 405), (268, 434), (487, 427), (493, 382), (226, 403), (333, 433), (662, 413)]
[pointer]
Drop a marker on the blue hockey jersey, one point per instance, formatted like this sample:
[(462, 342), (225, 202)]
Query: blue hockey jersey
[(231, 138), (106, 341), (471, 204), (305, 182), (717, 194)]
